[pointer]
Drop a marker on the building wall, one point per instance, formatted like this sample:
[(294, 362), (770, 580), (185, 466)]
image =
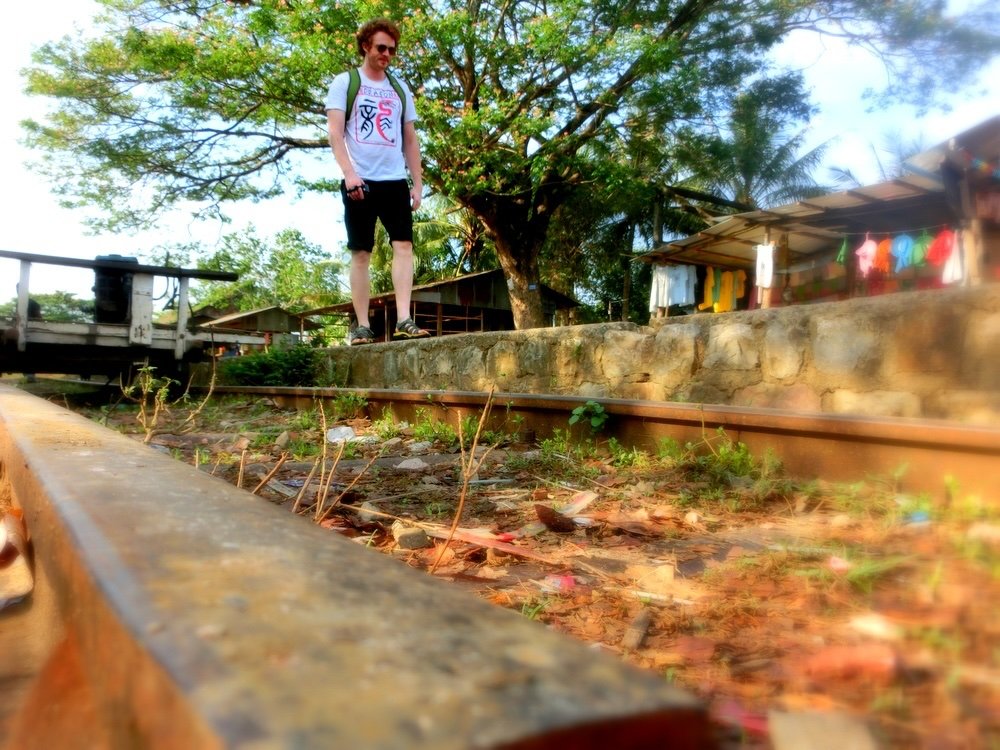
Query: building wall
[(933, 354)]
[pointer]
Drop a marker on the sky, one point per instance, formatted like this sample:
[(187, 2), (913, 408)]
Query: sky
[(33, 221)]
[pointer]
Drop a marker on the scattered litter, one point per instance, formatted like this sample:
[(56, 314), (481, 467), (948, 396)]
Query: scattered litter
[(340, 433), (557, 584)]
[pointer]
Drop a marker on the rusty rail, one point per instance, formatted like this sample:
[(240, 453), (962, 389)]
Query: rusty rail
[(175, 611), (928, 456)]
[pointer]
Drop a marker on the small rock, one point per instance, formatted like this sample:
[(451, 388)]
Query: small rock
[(420, 446), (393, 442), (410, 537), (282, 440), (339, 434), (412, 464), (365, 512)]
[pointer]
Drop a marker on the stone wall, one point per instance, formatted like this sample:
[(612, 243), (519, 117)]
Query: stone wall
[(933, 354)]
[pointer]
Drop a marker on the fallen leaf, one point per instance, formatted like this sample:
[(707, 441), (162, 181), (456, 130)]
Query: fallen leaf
[(873, 661), (554, 521)]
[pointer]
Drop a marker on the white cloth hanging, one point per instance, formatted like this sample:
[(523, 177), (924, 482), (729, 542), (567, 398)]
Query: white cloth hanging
[(954, 271), (765, 266), (659, 291)]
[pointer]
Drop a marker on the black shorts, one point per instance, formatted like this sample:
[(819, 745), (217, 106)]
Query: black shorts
[(389, 202)]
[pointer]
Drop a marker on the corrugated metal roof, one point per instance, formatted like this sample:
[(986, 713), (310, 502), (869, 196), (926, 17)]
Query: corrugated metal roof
[(815, 228)]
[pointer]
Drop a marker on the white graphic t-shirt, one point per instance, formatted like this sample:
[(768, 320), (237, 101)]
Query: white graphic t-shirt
[(374, 131)]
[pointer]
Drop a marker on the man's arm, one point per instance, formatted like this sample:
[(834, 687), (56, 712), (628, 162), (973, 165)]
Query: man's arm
[(411, 152), (335, 130)]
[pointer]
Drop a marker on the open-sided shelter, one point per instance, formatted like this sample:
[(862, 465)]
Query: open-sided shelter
[(937, 224)]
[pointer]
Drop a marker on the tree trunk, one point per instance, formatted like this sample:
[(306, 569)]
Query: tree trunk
[(518, 227), (523, 285)]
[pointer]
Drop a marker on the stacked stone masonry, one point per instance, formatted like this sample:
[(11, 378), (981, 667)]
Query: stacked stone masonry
[(931, 354)]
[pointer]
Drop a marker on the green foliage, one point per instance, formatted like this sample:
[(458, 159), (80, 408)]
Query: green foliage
[(296, 365), (349, 405), (385, 426), (152, 394), (58, 307), (627, 458), (286, 271), (592, 413), (432, 430)]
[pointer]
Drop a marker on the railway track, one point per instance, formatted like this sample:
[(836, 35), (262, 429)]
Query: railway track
[(922, 455)]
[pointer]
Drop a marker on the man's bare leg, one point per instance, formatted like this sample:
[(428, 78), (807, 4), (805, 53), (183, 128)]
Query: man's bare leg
[(361, 285)]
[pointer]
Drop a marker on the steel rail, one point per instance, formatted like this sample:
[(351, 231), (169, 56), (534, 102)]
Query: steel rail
[(925, 456), (173, 610)]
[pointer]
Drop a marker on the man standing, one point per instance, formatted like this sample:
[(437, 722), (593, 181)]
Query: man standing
[(375, 142)]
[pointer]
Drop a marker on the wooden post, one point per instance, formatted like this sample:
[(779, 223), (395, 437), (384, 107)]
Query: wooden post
[(22, 305)]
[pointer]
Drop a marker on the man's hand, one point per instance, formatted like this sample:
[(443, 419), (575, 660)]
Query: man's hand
[(355, 188), (414, 198)]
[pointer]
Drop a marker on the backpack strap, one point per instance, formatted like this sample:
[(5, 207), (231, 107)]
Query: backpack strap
[(354, 85)]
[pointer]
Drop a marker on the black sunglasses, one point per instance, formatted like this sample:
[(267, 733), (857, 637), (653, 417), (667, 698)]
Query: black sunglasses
[(383, 48)]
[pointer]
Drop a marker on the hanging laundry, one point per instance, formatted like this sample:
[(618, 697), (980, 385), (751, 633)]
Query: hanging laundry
[(918, 256), (725, 302), (866, 255), (708, 291), (902, 251), (660, 287), (842, 253), (765, 266), (953, 271), (681, 286), (883, 251), (941, 247), (741, 284)]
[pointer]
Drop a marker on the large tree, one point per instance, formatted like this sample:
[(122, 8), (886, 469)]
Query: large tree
[(206, 101)]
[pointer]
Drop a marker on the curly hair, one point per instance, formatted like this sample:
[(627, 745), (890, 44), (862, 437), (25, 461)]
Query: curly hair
[(370, 29)]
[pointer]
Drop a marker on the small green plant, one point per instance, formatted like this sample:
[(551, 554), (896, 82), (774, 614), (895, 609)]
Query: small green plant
[(627, 457), (430, 430), (591, 412), (533, 608), (436, 509), (556, 446), (385, 426), (307, 419), (301, 448), (152, 395), (349, 405)]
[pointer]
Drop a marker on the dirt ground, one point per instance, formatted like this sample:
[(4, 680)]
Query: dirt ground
[(768, 598)]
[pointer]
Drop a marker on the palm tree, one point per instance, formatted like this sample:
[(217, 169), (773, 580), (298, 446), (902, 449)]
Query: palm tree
[(755, 164)]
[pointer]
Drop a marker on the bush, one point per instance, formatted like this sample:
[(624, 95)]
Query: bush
[(297, 365)]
